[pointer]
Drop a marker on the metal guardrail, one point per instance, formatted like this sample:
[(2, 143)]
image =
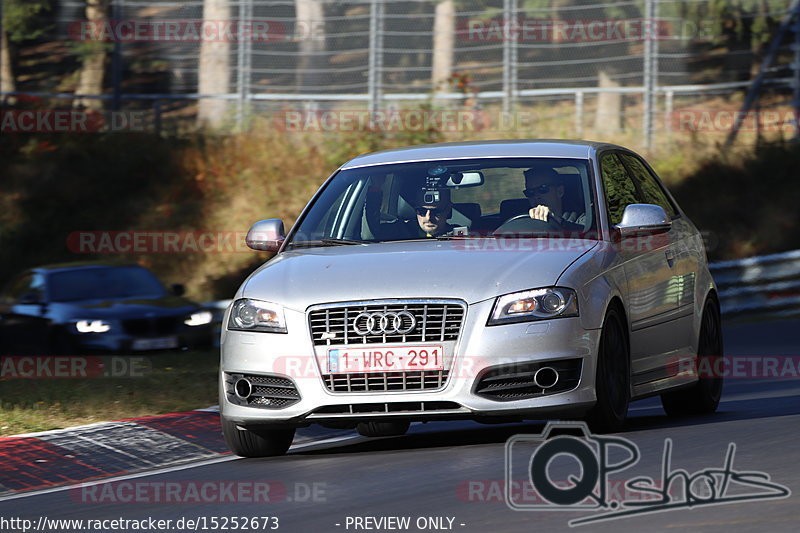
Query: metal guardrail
[(767, 285)]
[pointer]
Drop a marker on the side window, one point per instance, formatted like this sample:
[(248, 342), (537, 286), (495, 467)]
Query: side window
[(20, 287), (619, 189), (651, 189)]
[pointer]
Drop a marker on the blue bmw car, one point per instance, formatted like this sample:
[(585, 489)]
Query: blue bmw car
[(79, 308)]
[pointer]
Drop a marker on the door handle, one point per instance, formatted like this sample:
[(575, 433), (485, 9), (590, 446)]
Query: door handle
[(670, 257)]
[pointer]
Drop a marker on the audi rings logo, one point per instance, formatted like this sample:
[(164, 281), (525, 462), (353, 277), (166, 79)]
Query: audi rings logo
[(384, 323)]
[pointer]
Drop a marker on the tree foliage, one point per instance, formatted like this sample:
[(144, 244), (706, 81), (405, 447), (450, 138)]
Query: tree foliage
[(23, 19)]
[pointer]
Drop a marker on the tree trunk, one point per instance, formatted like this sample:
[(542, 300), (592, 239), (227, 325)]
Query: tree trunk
[(608, 119), (214, 76), (7, 83), (310, 31), (444, 26), (93, 71)]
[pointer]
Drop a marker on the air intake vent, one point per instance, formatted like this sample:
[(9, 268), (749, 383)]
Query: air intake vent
[(269, 392), (519, 382)]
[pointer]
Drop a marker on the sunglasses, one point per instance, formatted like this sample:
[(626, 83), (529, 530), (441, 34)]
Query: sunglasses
[(436, 212), (541, 189)]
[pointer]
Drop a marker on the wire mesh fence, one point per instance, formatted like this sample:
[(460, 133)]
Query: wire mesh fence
[(573, 68)]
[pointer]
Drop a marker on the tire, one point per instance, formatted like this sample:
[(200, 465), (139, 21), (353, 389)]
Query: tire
[(382, 429), (703, 397), (263, 443), (613, 377)]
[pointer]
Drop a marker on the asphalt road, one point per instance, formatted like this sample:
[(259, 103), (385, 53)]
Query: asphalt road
[(449, 476)]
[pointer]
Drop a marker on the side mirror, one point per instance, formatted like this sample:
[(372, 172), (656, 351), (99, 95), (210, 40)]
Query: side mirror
[(643, 219), (178, 289), (266, 235)]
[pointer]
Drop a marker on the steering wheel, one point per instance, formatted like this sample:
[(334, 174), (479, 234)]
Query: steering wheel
[(522, 224)]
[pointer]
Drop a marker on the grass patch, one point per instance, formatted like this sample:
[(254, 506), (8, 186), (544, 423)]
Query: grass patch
[(175, 382)]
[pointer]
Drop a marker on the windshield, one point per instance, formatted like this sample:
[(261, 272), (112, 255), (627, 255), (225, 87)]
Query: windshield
[(511, 197), (103, 284)]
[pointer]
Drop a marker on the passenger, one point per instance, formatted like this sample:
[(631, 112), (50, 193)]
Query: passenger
[(545, 190)]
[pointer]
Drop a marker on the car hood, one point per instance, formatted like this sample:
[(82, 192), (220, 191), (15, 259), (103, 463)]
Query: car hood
[(472, 270), (128, 308)]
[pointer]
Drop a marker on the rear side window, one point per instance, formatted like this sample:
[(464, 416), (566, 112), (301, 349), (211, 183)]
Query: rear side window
[(619, 188), (650, 189)]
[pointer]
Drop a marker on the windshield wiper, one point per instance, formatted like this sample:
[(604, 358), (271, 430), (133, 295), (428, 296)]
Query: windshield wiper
[(325, 242)]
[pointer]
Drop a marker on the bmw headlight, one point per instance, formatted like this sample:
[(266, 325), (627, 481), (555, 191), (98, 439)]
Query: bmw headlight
[(256, 315), (536, 304), (200, 318), (92, 326)]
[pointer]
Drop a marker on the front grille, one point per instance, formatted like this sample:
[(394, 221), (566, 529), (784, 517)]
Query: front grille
[(270, 392), (385, 408), (386, 381), (151, 326), (436, 321), (515, 382)]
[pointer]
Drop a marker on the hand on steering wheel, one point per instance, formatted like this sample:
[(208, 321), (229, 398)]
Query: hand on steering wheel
[(523, 223), (545, 214)]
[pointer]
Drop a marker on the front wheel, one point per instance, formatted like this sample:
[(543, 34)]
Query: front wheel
[(260, 443), (703, 397), (612, 382)]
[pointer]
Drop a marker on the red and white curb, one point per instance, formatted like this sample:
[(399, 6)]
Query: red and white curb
[(124, 448)]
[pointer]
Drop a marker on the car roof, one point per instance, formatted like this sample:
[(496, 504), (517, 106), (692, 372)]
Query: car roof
[(483, 149)]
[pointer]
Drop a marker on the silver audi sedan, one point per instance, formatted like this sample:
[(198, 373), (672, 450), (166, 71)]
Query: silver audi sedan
[(491, 281)]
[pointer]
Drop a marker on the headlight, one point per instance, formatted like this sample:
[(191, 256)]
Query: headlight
[(536, 304), (92, 326), (200, 318), (256, 315)]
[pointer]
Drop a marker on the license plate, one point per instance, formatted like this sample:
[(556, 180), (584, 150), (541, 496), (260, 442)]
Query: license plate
[(157, 343), (385, 359)]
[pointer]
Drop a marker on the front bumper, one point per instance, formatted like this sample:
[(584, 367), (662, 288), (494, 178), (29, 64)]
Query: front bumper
[(197, 337), (292, 356)]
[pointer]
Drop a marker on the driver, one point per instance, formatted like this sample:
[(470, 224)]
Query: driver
[(544, 189), (431, 217)]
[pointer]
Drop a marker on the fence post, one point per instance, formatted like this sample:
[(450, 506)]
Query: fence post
[(510, 34), (669, 105), (374, 79), (650, 69), (579, 114), (244, 60)]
